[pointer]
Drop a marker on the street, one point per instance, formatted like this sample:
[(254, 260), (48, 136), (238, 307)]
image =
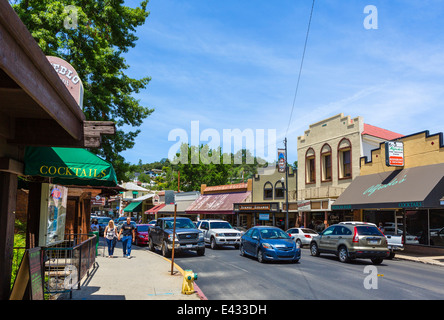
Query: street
[(224, 275)]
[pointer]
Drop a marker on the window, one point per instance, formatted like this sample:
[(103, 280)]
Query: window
[(310, 171), (344, 159), (279, 190), (326, 163), (268, 191)]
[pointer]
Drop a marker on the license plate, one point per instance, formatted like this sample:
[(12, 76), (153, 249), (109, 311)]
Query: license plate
[(189, 245), (373, 241)]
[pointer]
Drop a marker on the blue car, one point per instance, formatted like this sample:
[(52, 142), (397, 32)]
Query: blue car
[(269, 243)]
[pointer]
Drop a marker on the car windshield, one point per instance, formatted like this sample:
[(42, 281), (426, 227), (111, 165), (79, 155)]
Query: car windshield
[(221, 225), (273, 234), (103, 220), (180, 223), (368, 231), (142, 228)]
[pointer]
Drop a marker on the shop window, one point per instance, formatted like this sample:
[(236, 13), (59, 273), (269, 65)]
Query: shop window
[(268, 191), (344, 159), (310, 171), (326, 171), (279, 190)]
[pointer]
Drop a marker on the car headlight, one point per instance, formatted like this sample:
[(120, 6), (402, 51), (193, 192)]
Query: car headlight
[(267, 246), (170, 237), (201, 236)]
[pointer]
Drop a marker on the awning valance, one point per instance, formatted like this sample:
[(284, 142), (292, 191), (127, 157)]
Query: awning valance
[(135, 206), (418, 187), (69, 166), (220, 203), (155, 209)]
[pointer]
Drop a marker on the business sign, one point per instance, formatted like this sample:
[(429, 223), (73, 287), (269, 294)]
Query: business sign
[(304, 205), (264, 216), (254, 207), (394, 154), (69, 77), (281, 160)]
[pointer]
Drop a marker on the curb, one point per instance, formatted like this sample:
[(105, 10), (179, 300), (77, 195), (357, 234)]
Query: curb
[(198, 291)]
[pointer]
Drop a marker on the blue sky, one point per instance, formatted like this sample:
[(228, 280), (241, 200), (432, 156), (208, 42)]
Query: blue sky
[(234, 64)]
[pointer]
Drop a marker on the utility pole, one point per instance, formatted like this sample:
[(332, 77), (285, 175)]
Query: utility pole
[(286, 185)]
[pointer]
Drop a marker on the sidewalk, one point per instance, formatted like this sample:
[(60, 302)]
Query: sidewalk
[(146, 276), (434, 260)]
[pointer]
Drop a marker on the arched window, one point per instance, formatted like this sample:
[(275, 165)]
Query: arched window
[(279, 190), (344, 159), (268, 191), (310, 170), (326, 172)]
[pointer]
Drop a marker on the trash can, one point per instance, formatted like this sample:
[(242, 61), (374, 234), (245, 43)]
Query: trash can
[(96, 233)]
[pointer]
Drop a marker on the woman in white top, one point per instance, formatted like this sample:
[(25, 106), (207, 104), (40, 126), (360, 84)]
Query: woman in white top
[(110, 237)]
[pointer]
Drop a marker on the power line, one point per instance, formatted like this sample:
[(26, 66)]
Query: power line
[(300, 68)]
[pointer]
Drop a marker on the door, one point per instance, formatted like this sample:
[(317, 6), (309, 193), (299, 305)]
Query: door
[(254, 242), (204, 226), (325, 241)]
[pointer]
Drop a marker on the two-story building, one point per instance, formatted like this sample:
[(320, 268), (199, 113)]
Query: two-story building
[(329, 155)]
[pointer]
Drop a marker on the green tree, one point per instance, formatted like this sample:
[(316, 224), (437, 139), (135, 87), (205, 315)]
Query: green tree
[(93, 38)]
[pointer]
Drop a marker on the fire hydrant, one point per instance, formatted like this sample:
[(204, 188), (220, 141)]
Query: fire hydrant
[(188, 282)]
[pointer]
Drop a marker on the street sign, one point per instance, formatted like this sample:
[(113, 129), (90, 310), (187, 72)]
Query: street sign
[(394, 154)]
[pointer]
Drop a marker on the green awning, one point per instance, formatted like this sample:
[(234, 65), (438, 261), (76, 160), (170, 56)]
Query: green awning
[(69, 166), (134, 207)]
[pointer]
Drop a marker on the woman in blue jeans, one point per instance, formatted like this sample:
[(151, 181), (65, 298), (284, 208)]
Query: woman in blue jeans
[(111, 237), (128, 232)]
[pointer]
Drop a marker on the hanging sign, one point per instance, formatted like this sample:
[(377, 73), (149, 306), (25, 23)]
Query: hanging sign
[(281, 160), (394, 154), (69, 77)]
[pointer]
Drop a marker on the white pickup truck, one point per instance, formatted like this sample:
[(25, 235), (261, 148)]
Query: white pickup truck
[(394, 241)]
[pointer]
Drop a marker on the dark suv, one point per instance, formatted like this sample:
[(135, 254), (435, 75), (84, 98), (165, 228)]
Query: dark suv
[(350, 241)]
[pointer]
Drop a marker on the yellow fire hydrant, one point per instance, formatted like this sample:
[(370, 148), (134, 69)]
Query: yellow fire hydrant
[(188, 282)]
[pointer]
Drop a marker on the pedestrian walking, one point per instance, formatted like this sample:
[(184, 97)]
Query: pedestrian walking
[(129, 235), (110, 234)]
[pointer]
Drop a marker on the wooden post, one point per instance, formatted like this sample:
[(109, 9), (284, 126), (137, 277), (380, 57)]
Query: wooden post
[(174, 239), (8, 199)]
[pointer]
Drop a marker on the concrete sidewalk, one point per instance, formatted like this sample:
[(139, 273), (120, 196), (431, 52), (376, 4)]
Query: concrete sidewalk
[(146, 276), (434, 260)]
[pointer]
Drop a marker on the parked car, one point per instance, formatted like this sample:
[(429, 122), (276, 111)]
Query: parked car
[(269, 243), (219, 233), (351, 241), (141, 234), (102, 222), (302, 236), (120, 219), (152, 223), (241, 229), (187, 236)]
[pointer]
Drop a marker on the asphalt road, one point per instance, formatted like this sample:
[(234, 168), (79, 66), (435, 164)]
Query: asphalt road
[(225, 275)]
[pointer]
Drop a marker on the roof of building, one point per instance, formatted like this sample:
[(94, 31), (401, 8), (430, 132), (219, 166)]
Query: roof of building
[(380, 133), (131, 186), (227, 187)]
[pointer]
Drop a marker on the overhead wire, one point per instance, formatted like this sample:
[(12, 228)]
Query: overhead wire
[(300, 68)]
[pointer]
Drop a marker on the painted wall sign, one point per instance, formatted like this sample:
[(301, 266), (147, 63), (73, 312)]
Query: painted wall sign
[(69, 77), (394, 154), (251, 207)]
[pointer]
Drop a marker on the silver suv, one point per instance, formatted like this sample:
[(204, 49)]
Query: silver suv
[(219, 233), (350, 241)]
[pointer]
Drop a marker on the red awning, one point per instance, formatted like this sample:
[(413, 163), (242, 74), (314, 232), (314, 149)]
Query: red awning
[(221, 203), (154, 209)]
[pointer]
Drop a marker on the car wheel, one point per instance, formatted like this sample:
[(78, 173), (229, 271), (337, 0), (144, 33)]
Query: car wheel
[(391, 255), (295, 260), (260, 256), (151, 245), (343, 254), (299, 243), (241, 249), (314, 251), (165, 252), (200, 252), (377, 260), (213, 244)]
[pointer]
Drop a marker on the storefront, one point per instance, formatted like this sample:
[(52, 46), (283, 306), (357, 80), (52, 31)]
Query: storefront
[(258, 214), (407, 200)]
